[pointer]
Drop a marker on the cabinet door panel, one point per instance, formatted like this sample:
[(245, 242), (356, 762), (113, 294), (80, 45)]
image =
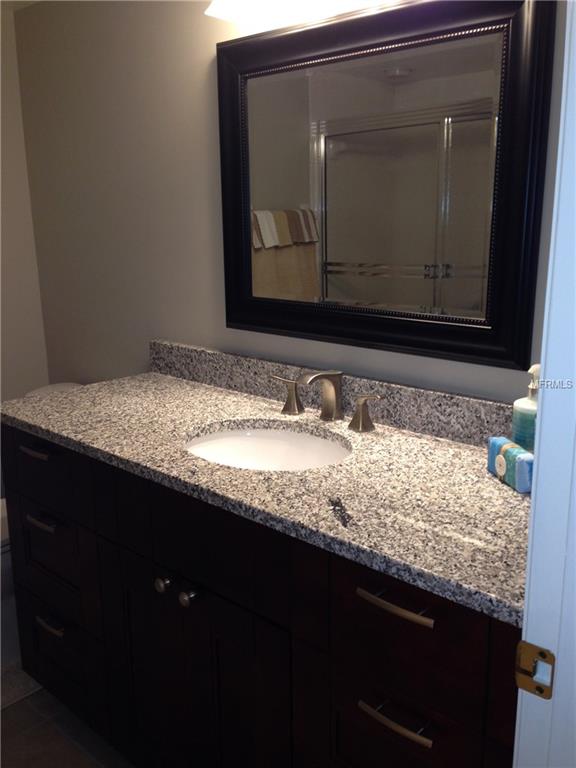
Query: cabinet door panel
[(136, 502), (170, 669), (269, 573), (203, 543), (209, 684), (502, 695), (252, 660), (310, 706)]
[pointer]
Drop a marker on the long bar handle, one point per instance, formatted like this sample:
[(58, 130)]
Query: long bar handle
[(34, 454), (392, 725), (40, 524), (56, 631), (403, 613)]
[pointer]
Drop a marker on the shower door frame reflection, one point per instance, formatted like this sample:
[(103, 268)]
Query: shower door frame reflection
[(444, 119)]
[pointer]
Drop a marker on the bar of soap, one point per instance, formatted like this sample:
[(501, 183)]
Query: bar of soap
[(494, 445), (510, 463)]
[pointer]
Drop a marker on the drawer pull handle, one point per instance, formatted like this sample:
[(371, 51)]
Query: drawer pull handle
[(403, 613), (34, 454), (41, 525), (396, 727), (56, 631)]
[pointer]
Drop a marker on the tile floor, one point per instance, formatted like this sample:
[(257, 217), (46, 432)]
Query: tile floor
[(40, 732)]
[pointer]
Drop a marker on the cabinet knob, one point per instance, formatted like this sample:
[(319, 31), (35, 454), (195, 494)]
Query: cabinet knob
[(185, 598), (162, 585)]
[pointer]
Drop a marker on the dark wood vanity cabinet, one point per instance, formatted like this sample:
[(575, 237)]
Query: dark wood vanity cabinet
[(200, 681), (409, 673), (192, 637)]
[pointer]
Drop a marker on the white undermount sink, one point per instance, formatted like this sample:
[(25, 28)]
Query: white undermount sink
[(267, 448)]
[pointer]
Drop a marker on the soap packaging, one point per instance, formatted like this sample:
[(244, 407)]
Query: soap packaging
[(511, 463)]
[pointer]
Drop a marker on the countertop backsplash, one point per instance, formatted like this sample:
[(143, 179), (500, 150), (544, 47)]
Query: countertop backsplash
[(440, 414)]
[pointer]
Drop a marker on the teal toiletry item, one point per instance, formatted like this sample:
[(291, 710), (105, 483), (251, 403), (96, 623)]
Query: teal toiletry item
[(524, 413), (494, 445), (510, 463), (524, 469)]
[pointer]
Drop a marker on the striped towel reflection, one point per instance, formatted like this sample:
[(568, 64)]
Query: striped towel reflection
[(257, 239), (309, 225), (281, 228), (267, 227)]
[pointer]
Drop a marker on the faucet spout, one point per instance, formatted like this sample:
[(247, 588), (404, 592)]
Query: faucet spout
[(331, 391)]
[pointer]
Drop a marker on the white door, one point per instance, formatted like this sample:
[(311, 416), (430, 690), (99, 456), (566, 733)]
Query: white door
[(546, 730)]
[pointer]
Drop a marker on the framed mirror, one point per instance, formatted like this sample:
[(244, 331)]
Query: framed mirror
[(382, 178)]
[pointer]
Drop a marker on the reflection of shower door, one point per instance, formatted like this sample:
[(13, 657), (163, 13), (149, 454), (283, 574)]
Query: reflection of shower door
[(381, 215), (464, 248), (407, 213)]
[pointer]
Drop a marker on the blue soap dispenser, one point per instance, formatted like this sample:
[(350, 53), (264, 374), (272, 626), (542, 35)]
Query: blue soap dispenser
[(524, 413)]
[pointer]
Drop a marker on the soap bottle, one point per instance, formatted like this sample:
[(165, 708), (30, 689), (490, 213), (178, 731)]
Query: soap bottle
[(524, 413)]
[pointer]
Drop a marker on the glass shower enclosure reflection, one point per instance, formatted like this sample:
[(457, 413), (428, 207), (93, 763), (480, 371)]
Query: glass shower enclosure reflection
[(372, 179), (414, 235)]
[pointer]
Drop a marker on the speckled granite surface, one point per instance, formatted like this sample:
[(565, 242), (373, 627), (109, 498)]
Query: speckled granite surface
[(465, 419), (421, 508)]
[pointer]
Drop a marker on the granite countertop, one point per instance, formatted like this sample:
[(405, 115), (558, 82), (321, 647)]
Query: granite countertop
[(421, 508)]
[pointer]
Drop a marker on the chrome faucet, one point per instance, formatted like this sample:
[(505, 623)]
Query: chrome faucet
[(331, 383)]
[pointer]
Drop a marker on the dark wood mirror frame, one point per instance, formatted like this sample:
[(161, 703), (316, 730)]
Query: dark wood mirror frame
[(504, 339)]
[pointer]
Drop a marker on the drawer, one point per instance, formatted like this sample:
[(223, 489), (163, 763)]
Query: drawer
[(390, 632), (63, 658), (51, 542), (374, 727), (57, 560), (65, 482), (42, 471)]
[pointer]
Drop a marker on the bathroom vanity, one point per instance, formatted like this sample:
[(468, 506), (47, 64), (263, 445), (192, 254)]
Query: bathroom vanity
[(200, 615)]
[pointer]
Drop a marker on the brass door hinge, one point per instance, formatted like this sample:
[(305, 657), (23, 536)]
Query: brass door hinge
[(535, 669)]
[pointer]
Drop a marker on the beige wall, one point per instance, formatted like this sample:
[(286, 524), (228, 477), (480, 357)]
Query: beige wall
[(23, 362), (120, 110)]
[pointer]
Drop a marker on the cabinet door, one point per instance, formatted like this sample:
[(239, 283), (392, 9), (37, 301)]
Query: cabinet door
[(252, 670), (206, 682), (502, 695), (170, 672), (311, 693)]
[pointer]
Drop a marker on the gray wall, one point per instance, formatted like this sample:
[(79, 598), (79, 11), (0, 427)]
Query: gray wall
[(120, 115), (24, 365), (279, 142)]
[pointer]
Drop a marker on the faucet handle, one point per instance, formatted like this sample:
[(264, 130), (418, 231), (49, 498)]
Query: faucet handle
[(293, 405), (361, 421)]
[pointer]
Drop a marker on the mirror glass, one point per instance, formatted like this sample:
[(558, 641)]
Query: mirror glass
[(371, 178)]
